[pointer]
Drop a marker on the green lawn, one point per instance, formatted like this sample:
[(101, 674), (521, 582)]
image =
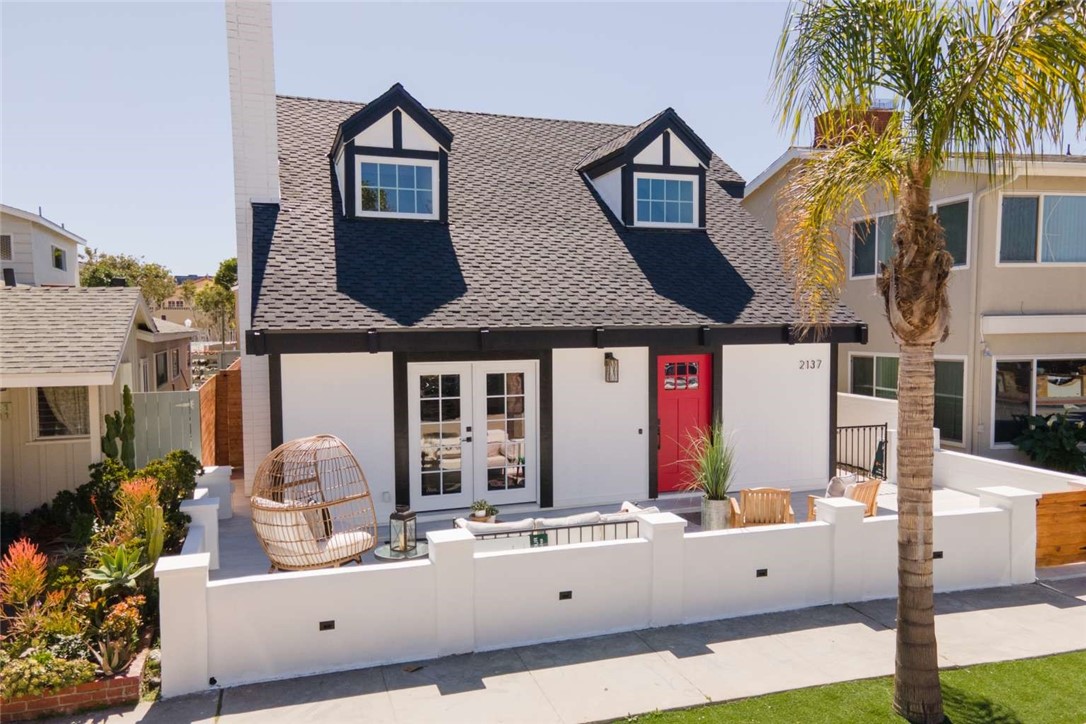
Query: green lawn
[(1050, 690)]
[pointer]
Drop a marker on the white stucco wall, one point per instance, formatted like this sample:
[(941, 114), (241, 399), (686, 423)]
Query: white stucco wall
[(349, 396), (609, 187), (379, 134), (601, 429), (681, 155), (776, 403), (414, 138), (652, 153), (44, 273)]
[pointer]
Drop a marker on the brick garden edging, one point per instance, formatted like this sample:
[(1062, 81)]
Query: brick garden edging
[(98, 694)]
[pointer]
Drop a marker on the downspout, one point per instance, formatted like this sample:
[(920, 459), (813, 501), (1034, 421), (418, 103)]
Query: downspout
[(975, 344)]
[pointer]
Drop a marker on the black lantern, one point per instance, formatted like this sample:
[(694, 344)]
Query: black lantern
[(610, 367), (401, 530)]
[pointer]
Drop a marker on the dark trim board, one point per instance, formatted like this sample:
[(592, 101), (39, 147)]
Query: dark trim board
[(401, 425), (395, 152), (397, 129), (275, 398), (349, 180), (514, 341), (833, 411)]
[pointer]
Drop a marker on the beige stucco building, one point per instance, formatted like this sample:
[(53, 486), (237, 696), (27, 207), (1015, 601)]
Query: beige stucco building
[(1017, 339)]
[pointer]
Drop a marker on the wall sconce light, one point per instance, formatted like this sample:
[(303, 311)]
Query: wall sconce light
[(610, 367)]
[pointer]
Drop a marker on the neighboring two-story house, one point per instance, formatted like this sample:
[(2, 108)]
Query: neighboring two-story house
[(37, 252), (525, 310), (1017, 290)]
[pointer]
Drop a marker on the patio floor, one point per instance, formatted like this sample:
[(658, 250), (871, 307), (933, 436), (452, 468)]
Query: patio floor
[(240, 553)]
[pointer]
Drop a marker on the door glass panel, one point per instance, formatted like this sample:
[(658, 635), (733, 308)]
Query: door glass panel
[(495, 384), (1012, 398), (505, 431), (440, 430)]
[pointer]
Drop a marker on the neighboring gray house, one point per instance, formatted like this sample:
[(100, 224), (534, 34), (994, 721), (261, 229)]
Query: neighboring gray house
[(37, 252)]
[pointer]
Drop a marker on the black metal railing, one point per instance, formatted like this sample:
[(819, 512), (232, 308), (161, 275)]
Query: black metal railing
[(568, 534), (861, 449)]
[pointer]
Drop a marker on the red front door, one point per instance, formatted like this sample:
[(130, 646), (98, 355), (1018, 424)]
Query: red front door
[(684, 394)]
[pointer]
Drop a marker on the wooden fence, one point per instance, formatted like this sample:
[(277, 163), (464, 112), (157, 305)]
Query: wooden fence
[(166, 421), (220, 401), (1061, 528)]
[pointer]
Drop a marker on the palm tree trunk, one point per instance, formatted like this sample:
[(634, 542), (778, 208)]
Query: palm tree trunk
[(917, 696)]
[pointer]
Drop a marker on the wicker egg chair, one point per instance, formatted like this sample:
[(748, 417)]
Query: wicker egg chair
[(312, 506)]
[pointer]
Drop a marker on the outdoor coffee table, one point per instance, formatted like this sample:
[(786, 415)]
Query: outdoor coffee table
[(385, 553)]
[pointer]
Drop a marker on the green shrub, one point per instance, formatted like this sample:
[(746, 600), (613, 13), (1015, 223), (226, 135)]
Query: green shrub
[(176, 475), (118, 570), (1053, 441), (68, 646), (39, 671)]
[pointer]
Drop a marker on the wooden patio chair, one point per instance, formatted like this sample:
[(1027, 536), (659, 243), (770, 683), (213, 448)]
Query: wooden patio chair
[(762, 506), (866, 492)]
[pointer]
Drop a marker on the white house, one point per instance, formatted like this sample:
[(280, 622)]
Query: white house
[(525, 310), (37, 252)]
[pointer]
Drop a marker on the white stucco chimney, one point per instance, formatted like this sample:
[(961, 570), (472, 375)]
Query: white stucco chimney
[(256, 178)]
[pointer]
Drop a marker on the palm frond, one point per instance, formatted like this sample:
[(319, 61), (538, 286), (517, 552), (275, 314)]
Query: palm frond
[(814, 201)]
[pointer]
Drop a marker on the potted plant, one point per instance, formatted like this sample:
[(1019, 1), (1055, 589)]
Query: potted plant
[(483, 512), (710, 465)]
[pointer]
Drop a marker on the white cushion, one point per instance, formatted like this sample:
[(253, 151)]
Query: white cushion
[(626, 517), (514, 526), (837, 485), (581, 519), (628, 507)]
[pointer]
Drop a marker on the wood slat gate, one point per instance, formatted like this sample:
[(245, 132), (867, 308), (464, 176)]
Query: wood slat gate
[(1061, 528), (166, 421)]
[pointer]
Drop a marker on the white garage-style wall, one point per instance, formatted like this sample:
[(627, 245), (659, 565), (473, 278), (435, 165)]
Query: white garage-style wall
[(601, 429), (349, 396), (775, 401)]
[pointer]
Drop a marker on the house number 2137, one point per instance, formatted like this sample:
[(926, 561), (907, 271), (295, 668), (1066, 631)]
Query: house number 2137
[(810, 364)]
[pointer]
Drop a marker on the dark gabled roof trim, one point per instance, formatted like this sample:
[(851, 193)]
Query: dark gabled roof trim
[(468, 340), (395, 97), (667, 121)]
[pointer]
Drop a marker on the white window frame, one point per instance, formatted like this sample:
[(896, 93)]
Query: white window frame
[(964, 359), (1032, 359), (10, 248), (35, 433), (667, 177), (852, 243), (175, 363), (1038, 256), (53, 249), (437, 190), (968, 198)]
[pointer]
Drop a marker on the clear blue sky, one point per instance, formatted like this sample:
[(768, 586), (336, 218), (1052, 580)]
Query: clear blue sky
[(116, 120)]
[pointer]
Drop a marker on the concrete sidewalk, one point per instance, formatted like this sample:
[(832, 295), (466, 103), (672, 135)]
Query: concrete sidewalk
[(612, 676)]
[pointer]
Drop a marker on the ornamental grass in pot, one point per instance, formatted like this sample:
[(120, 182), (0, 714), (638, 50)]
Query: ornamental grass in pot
[(710, 465)]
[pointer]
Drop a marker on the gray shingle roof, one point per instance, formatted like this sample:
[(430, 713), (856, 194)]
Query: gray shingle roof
[(165, 326), (617, 143), (528, 243), (64, 330)]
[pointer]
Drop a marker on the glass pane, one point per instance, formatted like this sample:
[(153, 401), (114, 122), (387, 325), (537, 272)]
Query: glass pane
[(450, 433), (886, 372), (450, 482), (671, 212), (431, 484), (388, 175), (515, 430), (407, 202), (450, 385), (514, 406), (383, 200), (692, 382), (406, 177), (643, 188), (954, 219), (658, 214), (643, 213), (428, 386), (949, 402), (863, 248), (424, 178), (659, 189), (495, 406), (1060, 383), (389, 200), (495, 383), (369, 199), (681, 369), (672, 190), (885, 232), (450, 410), (514, 477), (1064, 232), (669, 368), (1018, 232), (948, 378), (686, 190), (1012, 397), (424, 202), (669, 383), (514, 383), (495, 479), (692, 368), (429, 411), (686, 213), (369, 174), (863, 376)]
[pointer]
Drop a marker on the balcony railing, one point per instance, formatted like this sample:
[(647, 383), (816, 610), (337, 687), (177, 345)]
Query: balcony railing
[(861, 450)]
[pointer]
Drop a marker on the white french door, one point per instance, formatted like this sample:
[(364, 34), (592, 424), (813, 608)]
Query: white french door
[(474, 433)]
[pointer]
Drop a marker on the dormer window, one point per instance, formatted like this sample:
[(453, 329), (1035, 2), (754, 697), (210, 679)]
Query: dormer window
[(664, 200), (391, 160), (396, 190)]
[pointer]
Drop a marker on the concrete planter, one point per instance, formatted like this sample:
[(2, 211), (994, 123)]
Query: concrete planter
[(715, 514)]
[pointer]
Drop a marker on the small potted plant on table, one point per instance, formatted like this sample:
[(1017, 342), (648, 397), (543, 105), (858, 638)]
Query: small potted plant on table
[(483, 512), (710, 465)]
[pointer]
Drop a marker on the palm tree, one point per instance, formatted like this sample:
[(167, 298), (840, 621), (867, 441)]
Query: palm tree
[(987, 82)]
